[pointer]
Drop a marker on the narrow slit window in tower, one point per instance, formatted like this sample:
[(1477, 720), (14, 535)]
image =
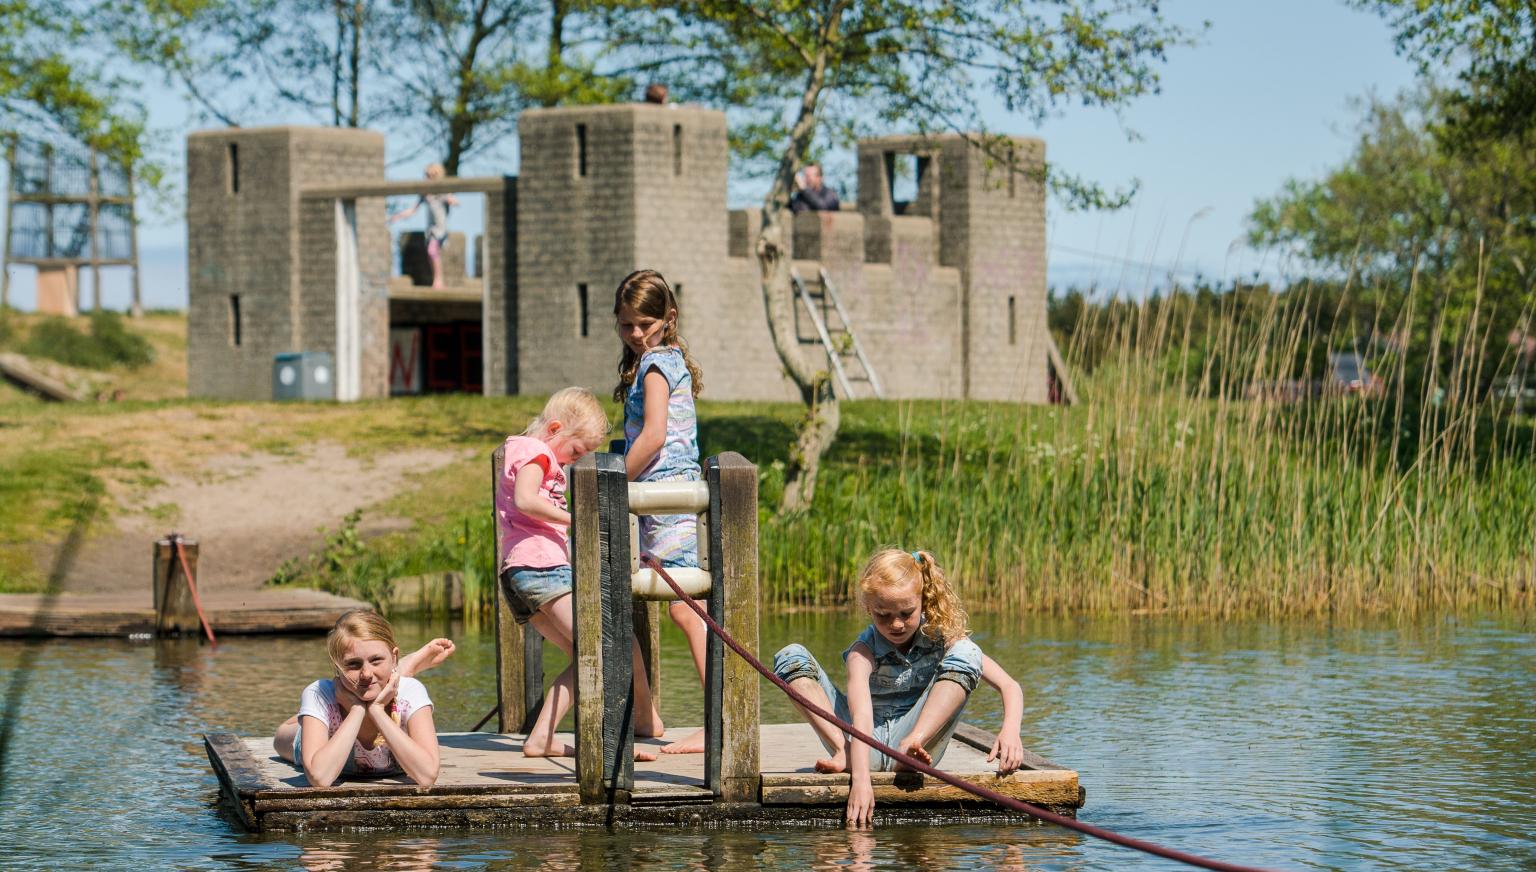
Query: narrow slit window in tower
[(581, 150), (234, 320), (1013, 170), (234, 168), (581, 309), (1013, 325), (677, 149)]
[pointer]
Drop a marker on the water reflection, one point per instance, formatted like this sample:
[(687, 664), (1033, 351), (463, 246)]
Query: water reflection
[(1366, 746)]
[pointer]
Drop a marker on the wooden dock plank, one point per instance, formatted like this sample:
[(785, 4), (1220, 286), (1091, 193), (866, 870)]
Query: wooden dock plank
[(269, 610), (486, 781)]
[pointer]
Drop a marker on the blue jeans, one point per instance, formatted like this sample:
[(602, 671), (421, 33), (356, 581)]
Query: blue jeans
[(794, 661), (527, 588)]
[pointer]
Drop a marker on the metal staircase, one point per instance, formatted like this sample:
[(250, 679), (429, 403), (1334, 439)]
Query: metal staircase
[(835, 334)]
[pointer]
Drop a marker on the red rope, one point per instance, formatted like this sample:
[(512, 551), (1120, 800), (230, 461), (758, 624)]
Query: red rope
[(920, 766), (181, 554)]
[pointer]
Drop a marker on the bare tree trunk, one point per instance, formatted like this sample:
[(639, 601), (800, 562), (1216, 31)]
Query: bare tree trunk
[(356, 63), (822, 413), (554, 58)]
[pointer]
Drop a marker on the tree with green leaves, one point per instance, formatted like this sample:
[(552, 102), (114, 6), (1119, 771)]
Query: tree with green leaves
[(49, 88), (457, 72), (1438, 236), (797, 76), (1491, 46)]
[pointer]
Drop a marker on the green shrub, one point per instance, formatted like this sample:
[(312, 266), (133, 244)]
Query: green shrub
[(109, 344)]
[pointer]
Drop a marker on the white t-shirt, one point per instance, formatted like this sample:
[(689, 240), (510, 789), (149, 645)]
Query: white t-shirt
[(319, 702)]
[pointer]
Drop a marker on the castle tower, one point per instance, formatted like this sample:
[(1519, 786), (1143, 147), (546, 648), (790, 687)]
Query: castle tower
[(604, 191), (990, 216), (259, 287)]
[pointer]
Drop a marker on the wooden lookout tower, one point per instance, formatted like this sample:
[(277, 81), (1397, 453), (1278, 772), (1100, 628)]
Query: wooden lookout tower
[(68, 207)]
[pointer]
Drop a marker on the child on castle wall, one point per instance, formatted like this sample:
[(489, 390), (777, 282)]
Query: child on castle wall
[(535, 572), (910, 674), (658, 381), (437, 222)]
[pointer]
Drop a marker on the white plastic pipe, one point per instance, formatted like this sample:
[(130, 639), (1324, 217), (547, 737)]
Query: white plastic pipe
[(648, 585), (668, 498)]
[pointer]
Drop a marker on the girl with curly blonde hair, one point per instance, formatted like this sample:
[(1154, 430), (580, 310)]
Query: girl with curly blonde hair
[(910, 674)]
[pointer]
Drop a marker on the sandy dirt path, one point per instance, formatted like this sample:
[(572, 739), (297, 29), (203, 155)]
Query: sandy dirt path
[(248, 513)]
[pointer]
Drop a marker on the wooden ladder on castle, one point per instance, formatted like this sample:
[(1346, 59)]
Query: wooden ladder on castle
[(842, 345)]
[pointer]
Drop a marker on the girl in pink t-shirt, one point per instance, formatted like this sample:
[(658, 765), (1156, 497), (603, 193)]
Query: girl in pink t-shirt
[(535, 567)]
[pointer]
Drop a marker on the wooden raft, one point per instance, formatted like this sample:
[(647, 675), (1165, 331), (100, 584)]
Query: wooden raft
[(270, 610), (486, 782)]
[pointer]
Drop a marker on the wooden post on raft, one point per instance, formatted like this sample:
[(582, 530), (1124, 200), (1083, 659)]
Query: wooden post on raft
[(604, 624), (519, 647), (732, 707), (614, 601), (175, 613)]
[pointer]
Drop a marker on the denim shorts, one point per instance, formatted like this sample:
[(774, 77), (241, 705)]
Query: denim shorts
[(528, 588), (794, 661)]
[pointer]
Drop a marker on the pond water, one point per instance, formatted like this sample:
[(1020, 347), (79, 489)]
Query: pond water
[(1295, 745)]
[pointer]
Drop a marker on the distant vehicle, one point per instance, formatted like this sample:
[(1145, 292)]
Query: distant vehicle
[(1347, 374)]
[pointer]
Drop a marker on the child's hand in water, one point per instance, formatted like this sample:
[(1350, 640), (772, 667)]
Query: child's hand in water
[(861, 802), (1008, 751)]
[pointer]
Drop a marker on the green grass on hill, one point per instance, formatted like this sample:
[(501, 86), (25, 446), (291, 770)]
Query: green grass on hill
[(1147, 497)]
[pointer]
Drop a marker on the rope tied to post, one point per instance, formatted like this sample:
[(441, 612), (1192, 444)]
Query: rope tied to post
[(186, 572), (931, 771)]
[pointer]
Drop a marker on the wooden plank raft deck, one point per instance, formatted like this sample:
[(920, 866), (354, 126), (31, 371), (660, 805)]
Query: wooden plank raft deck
[(486, 782), (270, 610)]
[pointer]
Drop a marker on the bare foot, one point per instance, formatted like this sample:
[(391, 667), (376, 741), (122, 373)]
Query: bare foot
[(917, 752), (553, 749), (836, 763), (644, 755), (427, 656), (651, 727), (694, 744)]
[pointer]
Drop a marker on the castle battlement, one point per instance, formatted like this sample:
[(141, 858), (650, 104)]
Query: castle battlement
[(945, 289)]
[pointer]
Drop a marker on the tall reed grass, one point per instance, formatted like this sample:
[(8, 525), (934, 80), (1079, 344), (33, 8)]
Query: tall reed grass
[(1176, 486), (1184, 481)]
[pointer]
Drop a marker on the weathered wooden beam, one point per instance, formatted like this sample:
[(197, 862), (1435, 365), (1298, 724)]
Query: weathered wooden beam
[(981, 740), (1047, 788), (587, 603), (734, 692), (405, 187), (175, 612), (647, 622), (618, 629), (519, 647), (16, 368)]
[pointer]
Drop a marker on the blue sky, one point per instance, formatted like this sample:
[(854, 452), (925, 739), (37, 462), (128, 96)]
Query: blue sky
[(1264, 97)]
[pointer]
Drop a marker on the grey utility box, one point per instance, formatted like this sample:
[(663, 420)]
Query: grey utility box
[(306, 375)]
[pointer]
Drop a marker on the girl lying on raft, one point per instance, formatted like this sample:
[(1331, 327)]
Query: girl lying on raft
[(374, 717), (910, 674)]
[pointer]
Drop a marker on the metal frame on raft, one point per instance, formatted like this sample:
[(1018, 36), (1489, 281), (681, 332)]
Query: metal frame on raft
[(616, 599)]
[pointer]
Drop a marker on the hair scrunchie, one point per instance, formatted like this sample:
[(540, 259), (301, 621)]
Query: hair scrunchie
[(918, 556)]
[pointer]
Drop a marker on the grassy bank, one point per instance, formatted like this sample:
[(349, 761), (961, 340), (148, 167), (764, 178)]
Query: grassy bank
[(1147, 496)]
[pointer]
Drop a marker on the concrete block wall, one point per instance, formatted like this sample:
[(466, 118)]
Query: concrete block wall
[(340, 156), (241, 245), (946, 293), (989, 223), (250, 235), (576, 226), (499, 330)]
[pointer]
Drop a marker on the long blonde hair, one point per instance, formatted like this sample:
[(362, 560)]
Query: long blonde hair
[(358, 625), (944, 617), (648, 293), (580, 415)]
